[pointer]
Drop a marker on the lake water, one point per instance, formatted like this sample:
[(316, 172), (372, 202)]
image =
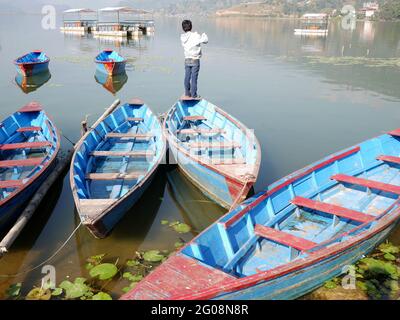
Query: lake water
[(304, 97)]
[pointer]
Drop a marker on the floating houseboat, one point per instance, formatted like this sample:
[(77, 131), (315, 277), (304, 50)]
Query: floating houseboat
[(313, 24), (123, 22), (79, 21)]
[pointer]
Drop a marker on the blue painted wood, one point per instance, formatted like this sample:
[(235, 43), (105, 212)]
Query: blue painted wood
[(106, 185), (32, 63), (214, 150), (268, 269), (110, 62), (12, 200)]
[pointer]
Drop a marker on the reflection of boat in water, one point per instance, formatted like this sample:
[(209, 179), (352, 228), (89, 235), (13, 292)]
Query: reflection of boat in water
[(30, 84), (196, 208), (111, 83), (313, 24)]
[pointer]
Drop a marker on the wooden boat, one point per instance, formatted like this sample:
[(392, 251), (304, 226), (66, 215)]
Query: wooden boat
[(214, 150), (292, 237), (114, 163), (111, 83), (110, 62), (29, 143), (30, 84), (32, 63)]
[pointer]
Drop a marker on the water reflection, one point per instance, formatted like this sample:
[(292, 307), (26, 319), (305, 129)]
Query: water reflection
[(197, 210), (111, 83), (32, 83)]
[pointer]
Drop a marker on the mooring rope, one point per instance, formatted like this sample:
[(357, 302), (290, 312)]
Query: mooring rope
[(45, 261)]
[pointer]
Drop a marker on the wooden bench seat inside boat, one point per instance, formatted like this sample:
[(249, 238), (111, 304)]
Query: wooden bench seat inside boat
[(367, 183), (201, 131), (194, 118), (283, 238), (115, 176), (29, 129), (227, 161), (10, 184), (332, 209), (129, 135), (132, 154), (95, 206), (21, 163), (25, 145), (390, 159), (133, 119), (215, 145)]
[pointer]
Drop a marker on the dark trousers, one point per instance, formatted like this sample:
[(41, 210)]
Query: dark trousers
[(192, 68)]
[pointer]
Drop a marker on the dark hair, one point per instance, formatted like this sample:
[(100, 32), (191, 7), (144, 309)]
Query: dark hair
[(187, 25)]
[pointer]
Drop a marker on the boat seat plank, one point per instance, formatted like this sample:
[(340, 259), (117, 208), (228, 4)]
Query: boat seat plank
[(201, 131), (21, 163), (367, 183), (133, 119), (25, 145), (10, 184), (130, 135), (29, 129), (332, 209), (122, 153), (194, 118), (215, 145), (115, 176), (229, 161), (284, 238), (391, 159)]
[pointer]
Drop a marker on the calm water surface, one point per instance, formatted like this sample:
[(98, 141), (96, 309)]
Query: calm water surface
[(304, 97)]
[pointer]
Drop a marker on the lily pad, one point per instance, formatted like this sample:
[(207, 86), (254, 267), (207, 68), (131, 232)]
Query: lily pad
[(75, 290), (56, 292), (97, 259), (132, 277), (129, 288), (101, 296), (181, 228), (104, 271), (14, 290), (132, 263), (179, 244), (164, 222), (389, 248), (153, 256), (39, 294)]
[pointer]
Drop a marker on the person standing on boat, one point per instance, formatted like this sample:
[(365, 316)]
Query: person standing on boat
[(191, 42)]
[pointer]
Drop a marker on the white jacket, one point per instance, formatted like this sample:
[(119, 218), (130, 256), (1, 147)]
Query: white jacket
[(191, 42)]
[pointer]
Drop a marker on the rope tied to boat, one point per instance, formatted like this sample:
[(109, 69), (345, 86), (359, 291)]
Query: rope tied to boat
[(4, 250)]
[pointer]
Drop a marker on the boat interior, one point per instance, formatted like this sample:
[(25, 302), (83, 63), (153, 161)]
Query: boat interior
[(36, 56), (117, 155), (323, 204), (27, 141), (109, 55), (207, 133)]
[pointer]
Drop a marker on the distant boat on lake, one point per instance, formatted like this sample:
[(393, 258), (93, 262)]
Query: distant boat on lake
[(32, 63), (292, 237), (110, 62), (314, 24)]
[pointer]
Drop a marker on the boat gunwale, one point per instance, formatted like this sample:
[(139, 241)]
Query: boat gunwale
[(32, 62), (105, 62), (256, 165), (382, 221), (148, 174), (45, 165)]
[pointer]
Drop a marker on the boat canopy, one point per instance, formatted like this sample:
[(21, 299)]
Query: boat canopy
[(80, 10)]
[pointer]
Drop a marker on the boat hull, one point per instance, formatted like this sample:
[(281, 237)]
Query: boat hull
[(215, 185), (111, 68), (31, 69)]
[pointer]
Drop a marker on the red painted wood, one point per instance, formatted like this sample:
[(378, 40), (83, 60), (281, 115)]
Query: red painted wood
[(284, 238), (10, 184), (332, 209), (25, 145), (194, 118), (21, 163), (367, 183), (179, 275), (395, 133), (31, 107), (391, 159), (290, 179), (136, 102), (29, 129)]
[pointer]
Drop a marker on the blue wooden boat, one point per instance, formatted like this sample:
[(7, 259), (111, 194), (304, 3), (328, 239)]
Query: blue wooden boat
[(292, 237), (214, 150), (110, 62), (32, 83), (114, 163), (29, 143), (32, 63)]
